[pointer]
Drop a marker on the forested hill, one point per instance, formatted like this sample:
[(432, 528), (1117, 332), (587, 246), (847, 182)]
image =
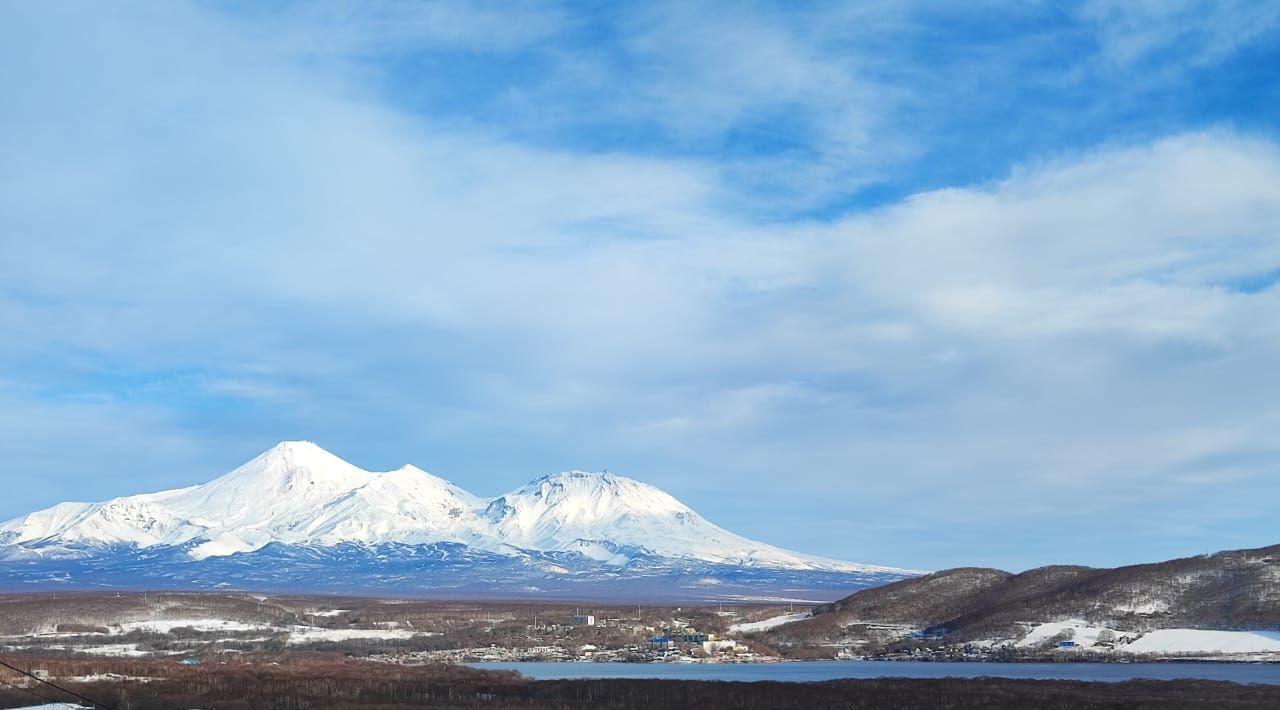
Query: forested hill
[(1235, 590)]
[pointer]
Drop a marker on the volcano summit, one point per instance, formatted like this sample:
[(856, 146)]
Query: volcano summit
[(301, 519)]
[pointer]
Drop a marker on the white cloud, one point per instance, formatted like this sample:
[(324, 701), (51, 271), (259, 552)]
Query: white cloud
[(1140, 241), (1185, 32), (202, 199)]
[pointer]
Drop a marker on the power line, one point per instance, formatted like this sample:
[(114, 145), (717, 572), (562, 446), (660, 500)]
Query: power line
[(28, 691), (91, 701)]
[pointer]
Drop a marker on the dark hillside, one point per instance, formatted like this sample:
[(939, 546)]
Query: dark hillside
[(1238, 589), (321, 683)]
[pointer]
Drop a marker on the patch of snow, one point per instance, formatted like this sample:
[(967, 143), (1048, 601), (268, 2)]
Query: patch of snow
[(991, 643), (165, 626), (1083, 634), (220, 545), (306, 634), (99, 677), (1171, 641), (1154, 606), (57, 634), (751, 627), (765, 599), (127, 650)]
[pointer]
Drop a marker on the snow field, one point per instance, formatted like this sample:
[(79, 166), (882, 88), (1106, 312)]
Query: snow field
[(751, 627), (1160, 642), (1173, 641)]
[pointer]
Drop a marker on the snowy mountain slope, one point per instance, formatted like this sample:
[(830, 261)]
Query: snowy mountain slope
[(297, 495), (406, 505), (600, 515)]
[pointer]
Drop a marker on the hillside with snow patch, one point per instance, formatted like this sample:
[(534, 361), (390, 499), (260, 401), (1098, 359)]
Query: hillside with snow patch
[(1214, 605)]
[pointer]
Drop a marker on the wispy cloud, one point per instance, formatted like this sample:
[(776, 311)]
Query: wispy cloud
[(221, 229), (1178, 32)]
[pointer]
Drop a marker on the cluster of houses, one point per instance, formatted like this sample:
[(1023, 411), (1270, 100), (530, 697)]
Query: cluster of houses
[(671, 641), (611, 639), (689, 639)]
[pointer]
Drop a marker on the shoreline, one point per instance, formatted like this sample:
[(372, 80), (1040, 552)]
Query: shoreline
[(860, 671), (1025, 661)]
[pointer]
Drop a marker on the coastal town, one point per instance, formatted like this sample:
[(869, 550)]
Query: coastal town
[(612, 640), (214, 627)]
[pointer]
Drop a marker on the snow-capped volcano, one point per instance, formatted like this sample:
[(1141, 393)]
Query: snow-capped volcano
[(299, 496), (603, 516), (294, 493)]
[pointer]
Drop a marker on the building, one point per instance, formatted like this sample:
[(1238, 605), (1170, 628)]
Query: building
[(584, 619), (662, 643), (714, 646)]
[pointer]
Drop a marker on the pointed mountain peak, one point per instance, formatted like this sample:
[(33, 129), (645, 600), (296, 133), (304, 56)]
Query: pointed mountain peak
[(587, 475), (298, 462), (297, 445), (414, 477), (596, 495), (411, 470), (297, 449), (588, 480)]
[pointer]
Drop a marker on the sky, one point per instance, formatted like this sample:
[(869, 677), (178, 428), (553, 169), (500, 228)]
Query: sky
[(924, 284)]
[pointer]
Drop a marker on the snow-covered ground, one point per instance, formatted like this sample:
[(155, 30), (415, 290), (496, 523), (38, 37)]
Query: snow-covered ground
[(159, 626), (1162, 642), (164, 626), (306, 634), (124, 650), (1146, 608), (109, 677), (297, 635), (751, 627), (769, 599), (1173, 641), (1080, 632)]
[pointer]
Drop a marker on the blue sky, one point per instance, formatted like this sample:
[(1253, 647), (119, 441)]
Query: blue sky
[(924, 284)]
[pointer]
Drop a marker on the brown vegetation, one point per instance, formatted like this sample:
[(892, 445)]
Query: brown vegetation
[(1239, 589), (312, 681)]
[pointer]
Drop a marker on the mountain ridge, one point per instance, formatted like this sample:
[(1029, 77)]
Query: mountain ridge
[(298, 495), (1228, 590)]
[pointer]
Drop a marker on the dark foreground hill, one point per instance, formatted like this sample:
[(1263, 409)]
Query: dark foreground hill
[(325, 683), (1234, 590)]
